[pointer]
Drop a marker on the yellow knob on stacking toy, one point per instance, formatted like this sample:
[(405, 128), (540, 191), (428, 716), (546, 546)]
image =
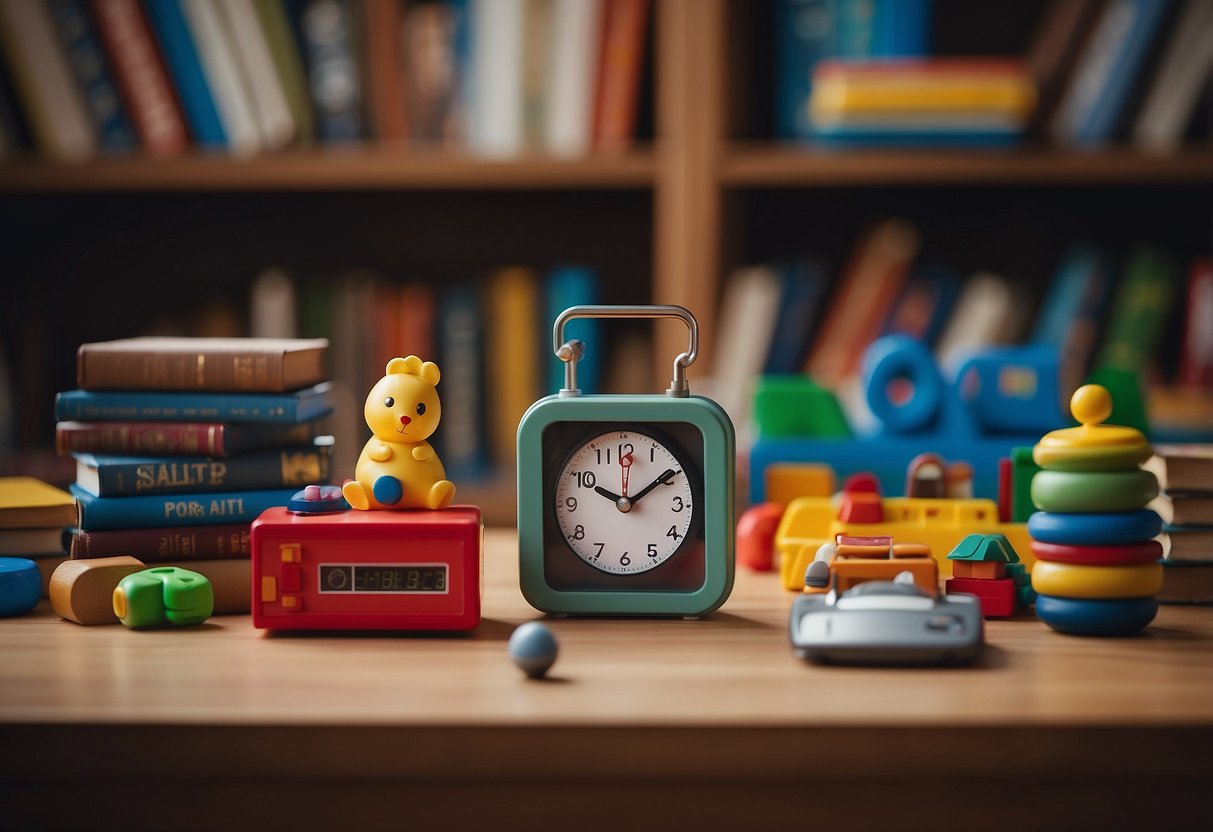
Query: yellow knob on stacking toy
[(1092, 446)]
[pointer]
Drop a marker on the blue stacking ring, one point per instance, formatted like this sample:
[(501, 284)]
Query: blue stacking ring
[(1108, 529), (1117, 617), (901, 357)]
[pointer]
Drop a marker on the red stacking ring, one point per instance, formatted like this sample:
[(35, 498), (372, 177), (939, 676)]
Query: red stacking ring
[(1126, 554)]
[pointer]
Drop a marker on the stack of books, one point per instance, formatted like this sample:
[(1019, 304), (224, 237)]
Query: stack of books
[(1185, 504), (33, 516), (181, 443), (938, 102)]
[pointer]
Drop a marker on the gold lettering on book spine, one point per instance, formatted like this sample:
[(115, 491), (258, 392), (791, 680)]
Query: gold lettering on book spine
[(200, 370), (303, 468)]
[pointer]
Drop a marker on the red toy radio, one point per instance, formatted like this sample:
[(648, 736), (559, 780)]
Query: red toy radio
[(367, 570)]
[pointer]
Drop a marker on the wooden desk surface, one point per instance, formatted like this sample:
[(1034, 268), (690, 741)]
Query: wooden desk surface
[(709, 716)]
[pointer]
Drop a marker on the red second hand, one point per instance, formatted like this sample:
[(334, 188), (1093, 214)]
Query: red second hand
[(625, 463)]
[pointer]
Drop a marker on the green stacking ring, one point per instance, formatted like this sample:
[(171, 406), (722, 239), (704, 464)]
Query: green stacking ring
[(1109, 458), (1087, 491)]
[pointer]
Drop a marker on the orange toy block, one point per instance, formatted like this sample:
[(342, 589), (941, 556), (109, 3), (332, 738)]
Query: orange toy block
[(980, 570), (857, 570)]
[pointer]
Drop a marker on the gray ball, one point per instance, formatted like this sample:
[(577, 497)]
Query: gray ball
[(533, 648)]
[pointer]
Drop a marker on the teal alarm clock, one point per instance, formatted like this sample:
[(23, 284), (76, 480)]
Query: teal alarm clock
[(625, 502)]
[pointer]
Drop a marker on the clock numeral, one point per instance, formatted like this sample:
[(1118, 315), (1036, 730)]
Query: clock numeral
[(673, 532), (652, 550), (598, 452), (598, 554), (570, 503), (585, 479), (579, 532), (678, 500), (653, 454), (624, 560), (623, 453)]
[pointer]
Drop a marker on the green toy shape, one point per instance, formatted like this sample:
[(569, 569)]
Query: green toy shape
[(162, 596)]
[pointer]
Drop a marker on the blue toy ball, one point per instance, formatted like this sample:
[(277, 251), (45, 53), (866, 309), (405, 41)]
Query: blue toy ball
[(533, 648), (20, 586)]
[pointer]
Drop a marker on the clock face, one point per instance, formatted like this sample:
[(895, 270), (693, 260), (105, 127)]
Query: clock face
[(624, 502)]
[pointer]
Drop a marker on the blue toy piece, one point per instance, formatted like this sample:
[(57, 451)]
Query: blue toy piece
[(533, 648), (1116, 617), (20, 586), (998, 399), (318, 499), (1106, 529)]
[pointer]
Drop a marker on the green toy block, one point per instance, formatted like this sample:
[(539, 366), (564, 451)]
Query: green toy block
[(1023, 468), (795, 406), (164, 595)]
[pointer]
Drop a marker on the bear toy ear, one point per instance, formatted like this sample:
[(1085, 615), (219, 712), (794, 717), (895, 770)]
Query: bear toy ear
[(430, 373), (410, 366)]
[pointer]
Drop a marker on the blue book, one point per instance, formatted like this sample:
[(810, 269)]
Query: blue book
[(168, 22), (1111, 67), (804, 35), (802, 289), (93, 76), (573, 286), (119, 476), (155, 511), (142, 406), (462, 438), (324, 30), (905, 135)]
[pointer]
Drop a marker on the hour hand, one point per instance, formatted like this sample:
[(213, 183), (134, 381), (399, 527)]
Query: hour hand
[(608, 494)]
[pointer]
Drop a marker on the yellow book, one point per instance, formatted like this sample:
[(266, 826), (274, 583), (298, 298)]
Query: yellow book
[(27, 503), (512, 356), (970, 94)]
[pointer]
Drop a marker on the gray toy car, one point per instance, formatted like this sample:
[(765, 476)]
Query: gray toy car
[(888, 623)]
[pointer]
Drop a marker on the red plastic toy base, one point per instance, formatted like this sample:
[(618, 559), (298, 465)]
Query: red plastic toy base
[(367, 570), (1126, 554), (997, 596)]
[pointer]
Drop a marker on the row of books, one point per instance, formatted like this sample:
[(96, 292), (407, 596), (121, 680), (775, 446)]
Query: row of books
[(1096, 71), (495, 77), (1098, 311), (180, 443), (1185, 503)]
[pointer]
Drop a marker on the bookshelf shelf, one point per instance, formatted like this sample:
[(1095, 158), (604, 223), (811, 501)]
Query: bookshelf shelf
[(765, 166), (310, 170)]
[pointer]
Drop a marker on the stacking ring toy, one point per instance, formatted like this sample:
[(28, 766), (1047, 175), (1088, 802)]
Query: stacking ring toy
[(1102, 491), (1128, 554), (1120, 617), (1110, 529), (1091, 446), (1066, 580)]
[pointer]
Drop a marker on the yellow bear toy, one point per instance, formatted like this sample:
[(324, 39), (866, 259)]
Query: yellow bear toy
[(398, 468)]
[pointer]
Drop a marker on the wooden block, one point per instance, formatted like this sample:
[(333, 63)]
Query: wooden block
[(47, 567), (83, 590), (231, 579)]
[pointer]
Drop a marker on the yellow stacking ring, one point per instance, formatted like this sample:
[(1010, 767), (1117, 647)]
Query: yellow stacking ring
[(1092, 446), (1067, 580)]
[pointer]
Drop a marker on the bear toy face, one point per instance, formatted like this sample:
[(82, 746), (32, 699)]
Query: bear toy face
[(403, 406)]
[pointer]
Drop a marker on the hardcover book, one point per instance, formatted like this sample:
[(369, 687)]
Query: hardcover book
[(215, 439), (141, 406), (194, 509), (262, 365), (27, 503), (116, 476), (229, 540)]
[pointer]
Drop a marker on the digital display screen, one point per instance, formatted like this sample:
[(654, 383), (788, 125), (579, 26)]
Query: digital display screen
[(418, 578)]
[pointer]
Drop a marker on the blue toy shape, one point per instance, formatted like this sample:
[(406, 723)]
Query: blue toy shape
[(20, 586), (398, 468), (999, 398), (533, 648), (1085, 617)]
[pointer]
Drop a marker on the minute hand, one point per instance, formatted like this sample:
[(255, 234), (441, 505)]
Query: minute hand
[(662, 478)]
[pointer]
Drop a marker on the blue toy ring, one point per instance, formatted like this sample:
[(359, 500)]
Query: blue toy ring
[(1107, 529), (898, 357)]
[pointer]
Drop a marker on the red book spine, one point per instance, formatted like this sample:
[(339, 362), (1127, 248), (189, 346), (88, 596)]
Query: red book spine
[(165, 545), (135, 438), (141, 76), (620, 61), (1196, 360)]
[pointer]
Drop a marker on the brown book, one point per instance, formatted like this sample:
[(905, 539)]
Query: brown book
[(1054, 51), (1186, 583), (213, 439), (621, 57), (1182, 467), (262, 365), (166, 544), (384, 27)]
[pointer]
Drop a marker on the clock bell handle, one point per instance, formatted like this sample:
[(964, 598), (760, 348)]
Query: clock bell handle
[(570, 352)]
